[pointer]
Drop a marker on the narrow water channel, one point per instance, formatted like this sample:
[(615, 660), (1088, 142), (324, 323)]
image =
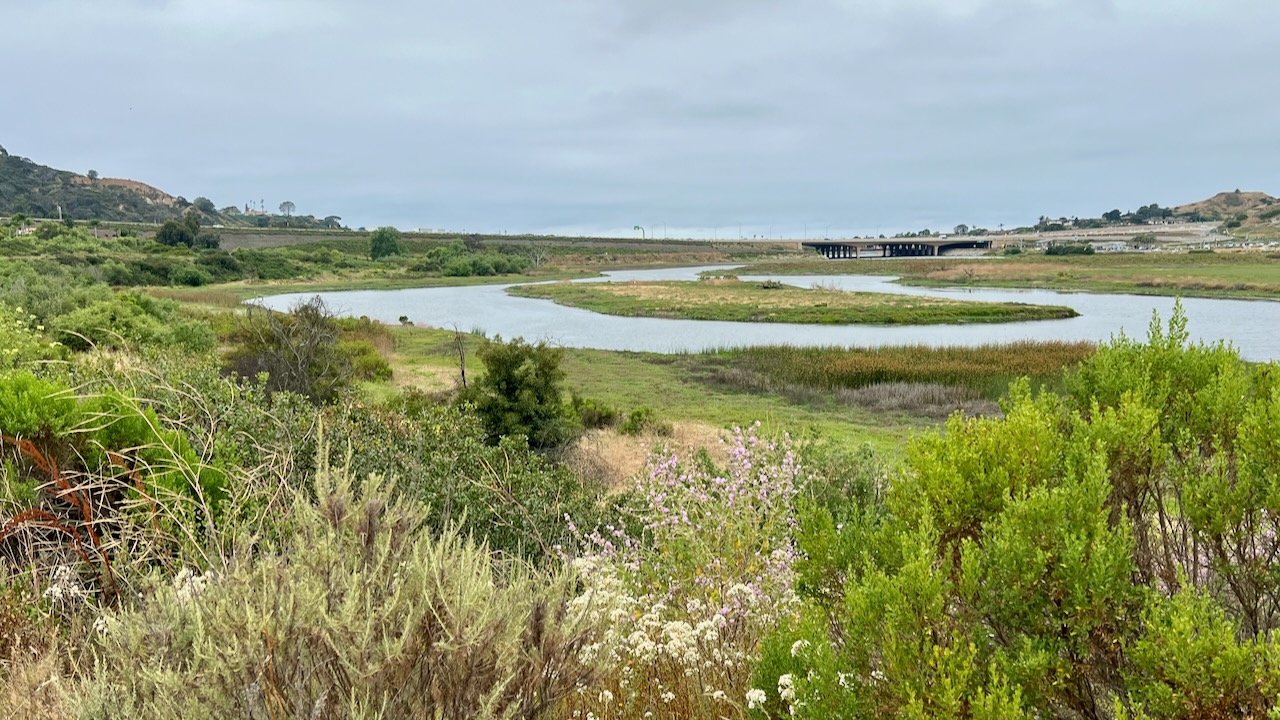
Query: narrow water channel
[(1252, 326)]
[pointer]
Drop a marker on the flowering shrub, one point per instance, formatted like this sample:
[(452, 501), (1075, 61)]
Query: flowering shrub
[(696, 574), (20, 340)]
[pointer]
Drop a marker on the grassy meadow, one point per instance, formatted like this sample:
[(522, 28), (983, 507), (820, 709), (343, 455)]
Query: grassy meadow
[(873, 395), (733, 300)]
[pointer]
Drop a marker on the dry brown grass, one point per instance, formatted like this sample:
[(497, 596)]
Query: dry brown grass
[(32, 689), (613, 459)]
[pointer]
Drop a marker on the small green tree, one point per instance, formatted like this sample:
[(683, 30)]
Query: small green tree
[(383, 242), (287, 207), (93, 174), (204, 204), (521, 393), (174, 233)]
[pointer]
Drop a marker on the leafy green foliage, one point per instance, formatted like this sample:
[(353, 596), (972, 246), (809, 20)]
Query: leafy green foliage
[(456, 259), (642, 420), (174, 233), (20, 339), (1110, 550), (594, 414), (521, 393), (503, 493), (384, 242), (131, 319)]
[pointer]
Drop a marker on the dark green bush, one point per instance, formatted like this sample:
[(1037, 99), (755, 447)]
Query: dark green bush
[(644, 419), (366, 363), (191, 276), (593, 414), (521, 393)]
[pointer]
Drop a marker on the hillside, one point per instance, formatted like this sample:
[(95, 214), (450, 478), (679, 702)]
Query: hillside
[(38, 191), (1248, 209)]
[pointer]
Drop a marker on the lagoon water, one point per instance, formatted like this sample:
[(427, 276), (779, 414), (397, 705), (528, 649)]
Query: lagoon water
[(1252, 326)]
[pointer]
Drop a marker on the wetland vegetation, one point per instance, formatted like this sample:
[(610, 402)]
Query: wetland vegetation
[(733, 300)]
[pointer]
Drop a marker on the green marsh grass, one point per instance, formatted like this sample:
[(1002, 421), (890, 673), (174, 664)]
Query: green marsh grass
[(985, 369), (736, 301)]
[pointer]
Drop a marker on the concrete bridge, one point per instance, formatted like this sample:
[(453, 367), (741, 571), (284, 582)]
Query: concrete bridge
[(893, 247)]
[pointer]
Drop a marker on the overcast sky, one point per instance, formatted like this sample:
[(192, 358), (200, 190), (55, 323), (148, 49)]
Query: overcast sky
[(700, 116)]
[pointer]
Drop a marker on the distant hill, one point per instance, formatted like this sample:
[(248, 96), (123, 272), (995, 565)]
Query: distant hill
[(1237, 209), (38, 191)]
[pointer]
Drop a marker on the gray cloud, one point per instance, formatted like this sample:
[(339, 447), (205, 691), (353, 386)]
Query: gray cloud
[(868, 115)]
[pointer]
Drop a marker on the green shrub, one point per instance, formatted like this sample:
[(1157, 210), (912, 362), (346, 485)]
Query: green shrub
[(1105, 550), (190, 276), (384, 242), (503, 493), (458, 267), (365, 360), (644, 420), (130, 319), (122, 487), (21, 341), (593, 414), (521, 393)]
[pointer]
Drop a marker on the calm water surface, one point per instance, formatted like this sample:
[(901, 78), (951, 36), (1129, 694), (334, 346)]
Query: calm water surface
[(1252, 326)]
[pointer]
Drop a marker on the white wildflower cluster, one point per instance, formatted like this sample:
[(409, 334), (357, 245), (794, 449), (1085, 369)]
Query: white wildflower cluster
[(64, 586), (188, 585), (756, 698), (787, 693), (786, 688), (104, 625), (683, 610)]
